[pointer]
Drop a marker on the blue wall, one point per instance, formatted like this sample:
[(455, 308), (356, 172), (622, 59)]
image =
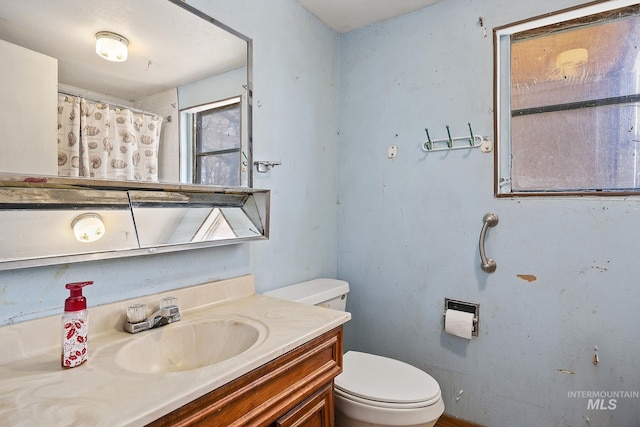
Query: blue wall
[(409, 228)]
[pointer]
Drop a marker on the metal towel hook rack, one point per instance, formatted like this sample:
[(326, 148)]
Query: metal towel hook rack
[(487, 264), (474, 141)]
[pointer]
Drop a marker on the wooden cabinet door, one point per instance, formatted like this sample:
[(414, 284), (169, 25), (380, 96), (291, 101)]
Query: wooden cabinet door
[(316, 411)]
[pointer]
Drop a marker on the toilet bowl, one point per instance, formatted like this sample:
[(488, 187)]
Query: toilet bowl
[(377, 391), (371, 391)]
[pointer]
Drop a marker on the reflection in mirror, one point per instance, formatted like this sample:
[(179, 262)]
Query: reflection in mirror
[(169, 218), (61, 220), (25, 233), (213, 137), (121, 120)]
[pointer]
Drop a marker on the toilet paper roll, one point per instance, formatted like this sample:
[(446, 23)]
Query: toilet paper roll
[(458, 323)]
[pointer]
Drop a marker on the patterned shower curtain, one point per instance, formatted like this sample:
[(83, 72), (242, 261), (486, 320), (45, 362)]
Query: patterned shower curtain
[(100, 141)]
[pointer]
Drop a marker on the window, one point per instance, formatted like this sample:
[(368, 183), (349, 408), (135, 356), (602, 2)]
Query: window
[(215, 142), (567, 102)]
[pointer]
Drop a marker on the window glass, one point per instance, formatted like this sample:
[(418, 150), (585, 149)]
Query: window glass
[(219, 129), (215, 140), (218, 169), (567, 116)]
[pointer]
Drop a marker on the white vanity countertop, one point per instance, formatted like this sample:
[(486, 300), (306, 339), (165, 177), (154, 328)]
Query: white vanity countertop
[(35, 390)]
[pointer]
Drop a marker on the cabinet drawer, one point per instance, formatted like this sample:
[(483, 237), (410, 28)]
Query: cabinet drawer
[(265, 394)]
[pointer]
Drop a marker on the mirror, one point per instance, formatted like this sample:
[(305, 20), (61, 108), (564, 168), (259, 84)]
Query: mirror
[(179, 61), (52, 221), (25, 233), (169, 218)]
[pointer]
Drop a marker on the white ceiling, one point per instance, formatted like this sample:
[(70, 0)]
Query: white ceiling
[(348, 15), (181, 40)]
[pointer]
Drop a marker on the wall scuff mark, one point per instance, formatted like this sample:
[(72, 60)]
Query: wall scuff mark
[(602, 269)]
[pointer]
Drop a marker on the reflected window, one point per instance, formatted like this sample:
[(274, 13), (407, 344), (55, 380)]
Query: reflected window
[(216, 141), (568, 99)]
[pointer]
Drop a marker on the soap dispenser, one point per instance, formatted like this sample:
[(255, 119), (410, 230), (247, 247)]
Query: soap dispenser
[(75, 327)]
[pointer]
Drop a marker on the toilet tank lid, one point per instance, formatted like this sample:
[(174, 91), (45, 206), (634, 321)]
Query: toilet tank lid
[(311, 292)]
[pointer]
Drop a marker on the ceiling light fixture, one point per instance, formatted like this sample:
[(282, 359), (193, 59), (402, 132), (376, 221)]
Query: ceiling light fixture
[(572, 58), (111, 46), (88, 227)]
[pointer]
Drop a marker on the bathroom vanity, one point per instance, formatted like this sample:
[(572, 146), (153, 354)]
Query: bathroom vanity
[(294, 389), (235, 358)]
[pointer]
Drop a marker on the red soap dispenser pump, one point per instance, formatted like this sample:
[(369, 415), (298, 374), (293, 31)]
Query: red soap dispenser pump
[(75, 327)]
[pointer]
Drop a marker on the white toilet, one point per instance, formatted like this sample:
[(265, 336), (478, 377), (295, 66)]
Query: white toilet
[(371, 391)]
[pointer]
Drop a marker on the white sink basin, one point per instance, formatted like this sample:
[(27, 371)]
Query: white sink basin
[(183, 347)]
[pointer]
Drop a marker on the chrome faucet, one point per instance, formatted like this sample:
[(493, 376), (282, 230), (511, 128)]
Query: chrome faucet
[(138, 322)]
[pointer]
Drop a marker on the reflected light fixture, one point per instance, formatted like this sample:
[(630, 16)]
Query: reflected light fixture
[(111, 46), (88, 227)]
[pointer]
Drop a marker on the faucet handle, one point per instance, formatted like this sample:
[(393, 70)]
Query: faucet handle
[(168, 301), (137, 319), (136, 313)]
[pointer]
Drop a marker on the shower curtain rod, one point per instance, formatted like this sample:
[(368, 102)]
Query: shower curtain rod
[(113, 104)]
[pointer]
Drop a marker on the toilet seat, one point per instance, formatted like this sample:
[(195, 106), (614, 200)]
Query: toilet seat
[(385, 383), (384, 405)]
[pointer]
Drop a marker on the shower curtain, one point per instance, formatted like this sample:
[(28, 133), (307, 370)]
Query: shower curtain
[(100, 141)]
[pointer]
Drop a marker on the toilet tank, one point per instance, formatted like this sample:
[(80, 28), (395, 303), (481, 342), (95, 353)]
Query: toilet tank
[(328, 293)]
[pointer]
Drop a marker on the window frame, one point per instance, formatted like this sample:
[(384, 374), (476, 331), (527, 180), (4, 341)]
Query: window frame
[(502, 44)]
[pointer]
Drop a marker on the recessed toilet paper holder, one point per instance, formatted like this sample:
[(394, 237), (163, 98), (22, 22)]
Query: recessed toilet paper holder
[(468, 307)]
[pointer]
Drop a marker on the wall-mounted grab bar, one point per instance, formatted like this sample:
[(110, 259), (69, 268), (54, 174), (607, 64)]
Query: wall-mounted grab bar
[(487, 264)]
